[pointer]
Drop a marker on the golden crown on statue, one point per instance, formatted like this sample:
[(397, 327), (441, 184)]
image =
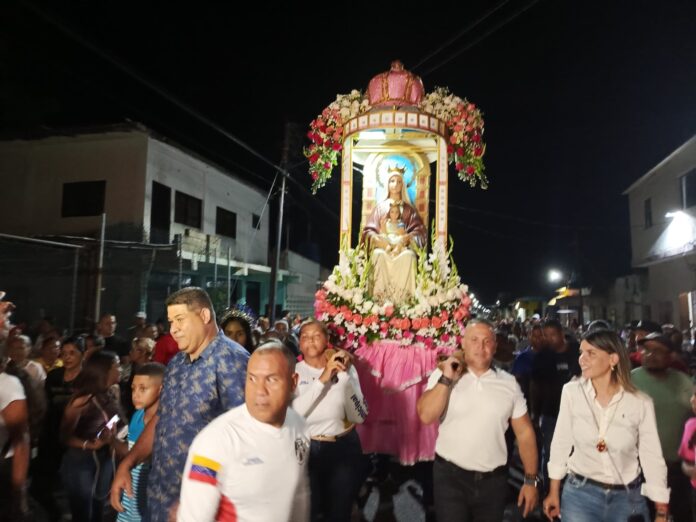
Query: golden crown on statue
[(394, 169)]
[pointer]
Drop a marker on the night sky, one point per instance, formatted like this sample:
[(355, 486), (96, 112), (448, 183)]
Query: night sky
[(580, 99)]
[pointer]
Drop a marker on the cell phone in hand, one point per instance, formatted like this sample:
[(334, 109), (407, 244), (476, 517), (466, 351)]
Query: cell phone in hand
[(110, 424)]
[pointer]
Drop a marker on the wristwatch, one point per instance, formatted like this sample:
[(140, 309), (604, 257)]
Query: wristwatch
[(531, 480), (446, 381)]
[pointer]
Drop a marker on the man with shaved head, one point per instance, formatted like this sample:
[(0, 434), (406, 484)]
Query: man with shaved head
[(250, 463)]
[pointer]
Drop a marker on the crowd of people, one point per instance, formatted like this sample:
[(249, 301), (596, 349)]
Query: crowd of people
[(237, 419)]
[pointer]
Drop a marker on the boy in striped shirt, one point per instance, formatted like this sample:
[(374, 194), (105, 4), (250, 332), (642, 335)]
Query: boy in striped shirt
[(146, 388)]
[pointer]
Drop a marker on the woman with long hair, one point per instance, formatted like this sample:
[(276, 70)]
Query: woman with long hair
[(88, 463), (605, 436), (328, 395)]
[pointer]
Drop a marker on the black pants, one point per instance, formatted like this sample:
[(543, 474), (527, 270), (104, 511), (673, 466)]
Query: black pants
[(680, 489), (468, 496), (336, 472)]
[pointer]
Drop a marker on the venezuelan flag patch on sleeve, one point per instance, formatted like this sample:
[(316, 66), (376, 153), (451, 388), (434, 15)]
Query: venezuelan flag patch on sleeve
[(204, 469)]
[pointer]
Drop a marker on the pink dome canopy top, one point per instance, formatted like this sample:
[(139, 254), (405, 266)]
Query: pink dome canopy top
[(395, 88)]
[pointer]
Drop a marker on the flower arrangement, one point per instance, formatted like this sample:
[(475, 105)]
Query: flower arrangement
[(434, 317), (326, 135), (463, 119), (465, 148)]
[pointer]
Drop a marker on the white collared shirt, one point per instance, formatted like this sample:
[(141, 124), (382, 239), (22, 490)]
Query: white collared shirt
[(472, 429), (626, 424)]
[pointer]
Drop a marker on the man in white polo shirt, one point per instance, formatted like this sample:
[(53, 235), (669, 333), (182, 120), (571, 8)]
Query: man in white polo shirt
[(475, 403), (249, 464)]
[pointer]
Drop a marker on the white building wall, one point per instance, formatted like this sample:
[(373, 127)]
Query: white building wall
[(662, 185), (668, 248), (302, 287), (668, 280), (32, 174), (182, 172), (625, 299)]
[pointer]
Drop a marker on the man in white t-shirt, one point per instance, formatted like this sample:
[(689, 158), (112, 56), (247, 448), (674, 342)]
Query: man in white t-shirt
[(249, 464), (14, 447), (475, 403)]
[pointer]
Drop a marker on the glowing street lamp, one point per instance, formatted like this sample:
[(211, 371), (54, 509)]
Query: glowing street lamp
[(555, 276)]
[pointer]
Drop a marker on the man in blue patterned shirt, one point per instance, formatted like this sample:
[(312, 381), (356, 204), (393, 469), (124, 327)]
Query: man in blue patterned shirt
[(205, 379)]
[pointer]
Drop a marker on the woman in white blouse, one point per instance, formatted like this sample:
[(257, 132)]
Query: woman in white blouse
[(605, 435), (329, 397)]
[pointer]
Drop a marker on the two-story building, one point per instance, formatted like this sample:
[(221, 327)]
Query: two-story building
[(662, 206), (172, 218)]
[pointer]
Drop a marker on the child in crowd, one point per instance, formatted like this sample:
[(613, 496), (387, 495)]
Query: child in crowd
[(146, 388), (687, 451)]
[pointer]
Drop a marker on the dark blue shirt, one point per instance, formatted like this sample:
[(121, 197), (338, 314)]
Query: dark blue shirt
[(194, 393)]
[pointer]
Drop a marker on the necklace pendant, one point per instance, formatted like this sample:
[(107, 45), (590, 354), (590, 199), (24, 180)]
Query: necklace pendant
[(601, 446)]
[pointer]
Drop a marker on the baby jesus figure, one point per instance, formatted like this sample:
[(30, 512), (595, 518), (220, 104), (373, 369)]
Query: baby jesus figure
[(393, 230)]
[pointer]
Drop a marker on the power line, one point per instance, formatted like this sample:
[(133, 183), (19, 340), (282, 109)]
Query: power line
[(525, 221), (175, 101), (495, 28), (461, 33), (151, 85)]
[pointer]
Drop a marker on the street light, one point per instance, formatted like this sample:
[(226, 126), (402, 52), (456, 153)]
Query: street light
[(555, 276)]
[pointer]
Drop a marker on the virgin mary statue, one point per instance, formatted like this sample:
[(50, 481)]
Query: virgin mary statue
[(392, 256)]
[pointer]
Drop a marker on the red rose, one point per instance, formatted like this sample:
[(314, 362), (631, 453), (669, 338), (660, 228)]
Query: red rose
[(478, 151), (450, 149), (459, 166), (470, 170), (336, 146), (314, 158), (315, 176), (476, 138), (460, 151), (327, 165)]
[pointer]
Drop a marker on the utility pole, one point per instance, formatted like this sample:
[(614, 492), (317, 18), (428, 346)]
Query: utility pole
[(276, 262), (100, 269), (272, 294)]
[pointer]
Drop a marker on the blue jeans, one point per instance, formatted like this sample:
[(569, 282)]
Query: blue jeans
[(87, 477), (336, 472), (583, 502)]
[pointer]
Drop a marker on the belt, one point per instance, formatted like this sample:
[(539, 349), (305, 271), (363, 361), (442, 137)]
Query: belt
[(604, 485), (332, 438), (476, 474)]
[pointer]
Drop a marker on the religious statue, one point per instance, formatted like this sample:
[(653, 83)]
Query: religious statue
[(391, 232)]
